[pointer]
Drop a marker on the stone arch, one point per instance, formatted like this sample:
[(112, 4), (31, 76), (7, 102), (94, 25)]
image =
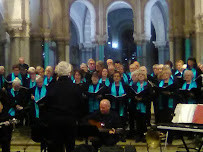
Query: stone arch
[(114, 5), (92, 11), (76, 28), (162, 7)]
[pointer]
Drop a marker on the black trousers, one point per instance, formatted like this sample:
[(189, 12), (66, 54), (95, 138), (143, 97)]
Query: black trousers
[(6, 145), (5, 138), (141, 123), (60, 138), (61, 147)]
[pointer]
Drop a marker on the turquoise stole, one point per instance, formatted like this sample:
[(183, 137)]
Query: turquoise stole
[(170, 100), (152, 74), (125, 78), (80, 81), (72, 77), (93, 103), (193, 84), (140, 105), (178, 72), (120, 93), (13, 77), (1, 85), (46, 80), (39, 96), (129, 74), (107, 82), (12, 110), (32, 84)]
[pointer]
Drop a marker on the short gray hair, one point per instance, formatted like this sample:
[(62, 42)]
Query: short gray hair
[(16, 81), (189, 72), (63, 69)]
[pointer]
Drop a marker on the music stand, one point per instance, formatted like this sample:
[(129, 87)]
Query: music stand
[(188, 118)]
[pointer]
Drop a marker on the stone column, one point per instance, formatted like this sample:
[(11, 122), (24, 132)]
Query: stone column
[(36, 52), (101, 40), (187, 48), (171, 49), (162, 51), (199, 48), (46, 53), (179, 49), (67, 51), (15, 47), (61, 50)]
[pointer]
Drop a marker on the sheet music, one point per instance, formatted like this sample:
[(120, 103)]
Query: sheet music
[(184, 113)]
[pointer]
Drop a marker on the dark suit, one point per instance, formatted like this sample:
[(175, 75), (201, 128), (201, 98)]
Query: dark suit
[(63, 102)]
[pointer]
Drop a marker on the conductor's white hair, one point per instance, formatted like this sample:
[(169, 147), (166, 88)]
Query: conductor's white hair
[(63, 69), (16, 81)]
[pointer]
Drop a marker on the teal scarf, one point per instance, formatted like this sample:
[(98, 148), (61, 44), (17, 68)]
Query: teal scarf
[(107, 82), (129, 74), (32, 84), (1, 85), (170, 100), (152, 74), (72, 77), (80, 81), (140, 105), (46, 80), (39, 96), (13, 77), (120, 93), (93, 103), (12, 110), (192, 85), (125, 78), (177, 72)]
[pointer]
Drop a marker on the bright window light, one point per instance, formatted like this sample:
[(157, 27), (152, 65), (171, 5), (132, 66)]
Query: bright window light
[(114, 45)]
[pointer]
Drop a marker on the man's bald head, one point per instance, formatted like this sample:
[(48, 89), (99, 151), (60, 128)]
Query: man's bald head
[(105, 106), (109, 62)]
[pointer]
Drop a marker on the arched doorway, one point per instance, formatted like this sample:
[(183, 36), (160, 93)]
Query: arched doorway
[(156, 29), (82, 28), (120, 28)]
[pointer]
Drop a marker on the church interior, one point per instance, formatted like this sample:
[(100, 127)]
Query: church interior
[(46, 32)]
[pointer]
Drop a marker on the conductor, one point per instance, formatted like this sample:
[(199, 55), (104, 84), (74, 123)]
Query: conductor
[(62, 106)]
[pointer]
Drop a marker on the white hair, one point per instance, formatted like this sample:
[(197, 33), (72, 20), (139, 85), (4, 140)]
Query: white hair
[(1, 68), (38, 78), (83, 64), (189, 72), (16, 81), (31, 70), (135, 72), (63, 69)]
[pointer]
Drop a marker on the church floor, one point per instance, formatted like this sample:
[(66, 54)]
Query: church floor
[(22, 143)]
